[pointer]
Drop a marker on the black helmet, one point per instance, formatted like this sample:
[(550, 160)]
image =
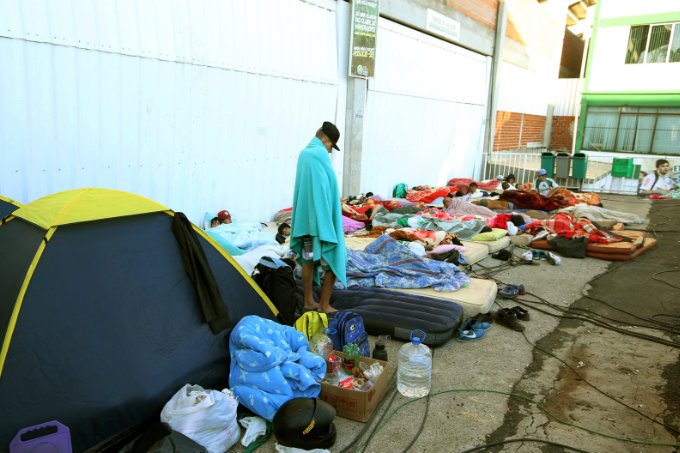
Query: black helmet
[(305, 423)]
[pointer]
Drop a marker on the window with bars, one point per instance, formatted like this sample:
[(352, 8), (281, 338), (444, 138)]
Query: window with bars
[(633, 129), (659, 43)]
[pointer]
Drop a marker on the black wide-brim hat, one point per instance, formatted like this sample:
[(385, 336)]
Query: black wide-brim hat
[(305, 423)]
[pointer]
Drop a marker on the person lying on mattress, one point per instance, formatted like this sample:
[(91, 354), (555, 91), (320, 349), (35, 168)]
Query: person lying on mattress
[(316, 228), (457, 206)]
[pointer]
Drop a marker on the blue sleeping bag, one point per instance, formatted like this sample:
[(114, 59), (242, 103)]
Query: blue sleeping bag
[(271, 364)]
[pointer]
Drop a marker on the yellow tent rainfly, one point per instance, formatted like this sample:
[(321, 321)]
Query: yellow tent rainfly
[(103, 313), (7, 206)]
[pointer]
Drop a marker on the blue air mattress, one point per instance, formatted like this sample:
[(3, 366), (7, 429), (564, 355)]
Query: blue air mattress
[(396, 314)]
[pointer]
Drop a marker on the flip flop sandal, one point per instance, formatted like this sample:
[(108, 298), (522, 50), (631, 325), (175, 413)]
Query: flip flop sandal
[(508, 318), (521, 312)]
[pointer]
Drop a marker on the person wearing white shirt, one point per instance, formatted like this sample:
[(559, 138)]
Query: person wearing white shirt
[(543, 185), (660, 181)]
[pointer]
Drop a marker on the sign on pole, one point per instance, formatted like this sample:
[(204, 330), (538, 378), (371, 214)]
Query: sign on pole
[(363, 37)]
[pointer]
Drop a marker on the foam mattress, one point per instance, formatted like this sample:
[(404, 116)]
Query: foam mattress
[(617, 251), (492, 246), (477, 297)]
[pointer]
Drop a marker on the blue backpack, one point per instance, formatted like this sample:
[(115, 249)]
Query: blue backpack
[(349, 328)]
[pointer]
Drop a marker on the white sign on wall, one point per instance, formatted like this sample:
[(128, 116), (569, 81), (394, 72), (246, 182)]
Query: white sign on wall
[(442, 25)]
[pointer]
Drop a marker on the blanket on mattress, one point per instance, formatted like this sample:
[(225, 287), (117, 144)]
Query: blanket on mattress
[(388, 263), (462, 229)]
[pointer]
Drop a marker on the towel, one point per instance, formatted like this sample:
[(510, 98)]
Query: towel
[(317, 211)]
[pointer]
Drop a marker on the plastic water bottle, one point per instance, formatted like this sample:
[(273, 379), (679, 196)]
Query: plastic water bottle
[(321, 343), (307, 248), (414, 371)]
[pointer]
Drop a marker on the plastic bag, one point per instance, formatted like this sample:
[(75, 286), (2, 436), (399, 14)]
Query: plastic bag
[(207, 417)]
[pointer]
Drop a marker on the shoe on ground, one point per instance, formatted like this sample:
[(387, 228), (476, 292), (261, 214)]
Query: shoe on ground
[(508, 318), (471, 334), (521, 313), (540, 235), (528, 255), (554, 259), (510, 291)]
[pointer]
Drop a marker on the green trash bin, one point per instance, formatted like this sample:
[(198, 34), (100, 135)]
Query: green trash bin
[(636, 171), (622, 167), (548, 163), (579, 166)]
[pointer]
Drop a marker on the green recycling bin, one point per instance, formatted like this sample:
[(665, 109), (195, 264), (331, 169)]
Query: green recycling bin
[(636, 171), (579, 166), (548, 163)]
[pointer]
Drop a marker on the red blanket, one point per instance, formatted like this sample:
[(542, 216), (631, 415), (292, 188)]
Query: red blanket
[(487, 186), (568, 226), (530, 200), (428, 195)]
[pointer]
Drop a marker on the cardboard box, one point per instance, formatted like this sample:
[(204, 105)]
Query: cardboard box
[(355, 404)]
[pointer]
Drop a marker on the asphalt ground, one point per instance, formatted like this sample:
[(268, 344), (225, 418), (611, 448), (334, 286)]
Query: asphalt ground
[(595, 370)]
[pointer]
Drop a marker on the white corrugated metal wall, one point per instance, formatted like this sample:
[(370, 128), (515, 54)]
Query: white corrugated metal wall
[(200, 105), (567, 97), (425, 111)]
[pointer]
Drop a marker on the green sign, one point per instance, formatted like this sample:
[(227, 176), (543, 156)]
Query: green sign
[(362, 38)]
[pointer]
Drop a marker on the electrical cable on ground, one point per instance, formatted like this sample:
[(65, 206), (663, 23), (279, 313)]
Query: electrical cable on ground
[(580, 376), (593, 320), (522, 439), (664, 281), (541, 407)]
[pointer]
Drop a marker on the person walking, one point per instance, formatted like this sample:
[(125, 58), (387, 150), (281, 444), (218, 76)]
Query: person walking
[(316, 227)]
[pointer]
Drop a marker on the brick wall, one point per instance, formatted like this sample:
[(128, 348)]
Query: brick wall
[(515, 130), (562, 130), (572, 54), (481, 11)]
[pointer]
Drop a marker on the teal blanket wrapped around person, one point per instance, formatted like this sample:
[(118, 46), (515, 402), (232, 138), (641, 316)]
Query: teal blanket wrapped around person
[(317, 211)]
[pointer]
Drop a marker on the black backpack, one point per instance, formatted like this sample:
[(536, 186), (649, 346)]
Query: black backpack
[(275, 277)]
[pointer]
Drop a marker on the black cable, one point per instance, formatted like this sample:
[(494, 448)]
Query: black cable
[(522, 439), (664, 326), (664, 281), (599, 323), (392, 393), (573, 370)]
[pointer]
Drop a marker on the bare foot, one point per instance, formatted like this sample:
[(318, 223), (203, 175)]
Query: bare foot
[(312, 306), (327, 309)]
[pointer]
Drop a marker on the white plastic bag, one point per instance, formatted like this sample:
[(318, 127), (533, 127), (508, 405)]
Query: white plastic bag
[(207, 417)]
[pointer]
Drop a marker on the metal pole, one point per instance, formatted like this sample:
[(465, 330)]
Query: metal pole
[(501, 21)]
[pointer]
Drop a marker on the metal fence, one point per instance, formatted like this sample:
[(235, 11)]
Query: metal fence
[(602, 175)]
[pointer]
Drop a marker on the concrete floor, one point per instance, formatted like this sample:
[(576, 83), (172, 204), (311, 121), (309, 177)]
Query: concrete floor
[(566, 379)]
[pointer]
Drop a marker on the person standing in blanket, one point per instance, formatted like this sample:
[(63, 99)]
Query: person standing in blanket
[(316, 227), (543, 185), (660, 182)]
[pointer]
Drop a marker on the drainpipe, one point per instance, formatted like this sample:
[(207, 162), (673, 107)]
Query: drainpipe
[(501, 21)]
